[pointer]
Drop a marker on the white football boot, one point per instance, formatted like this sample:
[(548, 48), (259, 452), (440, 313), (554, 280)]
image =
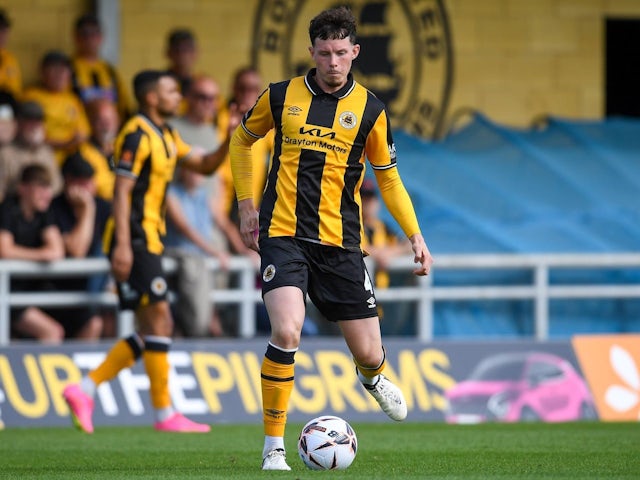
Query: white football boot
[(389, 397), (275, 460)]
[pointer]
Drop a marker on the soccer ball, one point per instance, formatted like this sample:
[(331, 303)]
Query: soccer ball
[(327, 443)]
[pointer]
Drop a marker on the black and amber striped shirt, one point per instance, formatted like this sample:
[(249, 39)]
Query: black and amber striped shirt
[(321, 140), (148, 153)]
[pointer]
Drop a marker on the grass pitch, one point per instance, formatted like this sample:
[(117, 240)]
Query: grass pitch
[(386, 451)]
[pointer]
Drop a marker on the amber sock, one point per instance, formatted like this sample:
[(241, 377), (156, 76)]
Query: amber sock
[(123, 354), (369, 376), (277, 383), (156, 364)]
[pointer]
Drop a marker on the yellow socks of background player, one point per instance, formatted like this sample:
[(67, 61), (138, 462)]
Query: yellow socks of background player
[(122, 355), (277, 383), (156, 364)]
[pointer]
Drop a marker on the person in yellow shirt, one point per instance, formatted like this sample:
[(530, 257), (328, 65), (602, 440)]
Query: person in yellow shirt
[(10, 73), (65, 121), (98, 150), (92, 76)]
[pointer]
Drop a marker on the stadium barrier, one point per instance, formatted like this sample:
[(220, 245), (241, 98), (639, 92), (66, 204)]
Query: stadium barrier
[(424, 293)]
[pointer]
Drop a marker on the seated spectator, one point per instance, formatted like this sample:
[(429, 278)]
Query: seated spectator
[(28, 147), (93, 77), (65, 121), (82, 217), (10, 73), (98, 150), (28, 232), (189, 240)]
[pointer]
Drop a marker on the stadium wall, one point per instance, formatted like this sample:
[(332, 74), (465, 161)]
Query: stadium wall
[(511, 59), (219, 381)]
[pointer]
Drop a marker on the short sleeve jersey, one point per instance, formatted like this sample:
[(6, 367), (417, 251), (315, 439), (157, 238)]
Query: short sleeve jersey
[(317, 167), (148, 153), (27, 233)]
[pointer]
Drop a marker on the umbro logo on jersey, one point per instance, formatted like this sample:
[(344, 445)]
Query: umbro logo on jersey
[(372, 302), (294, 110)]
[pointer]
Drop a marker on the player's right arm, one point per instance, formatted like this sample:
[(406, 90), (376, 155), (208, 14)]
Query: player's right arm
[(122, 255), (130, 153), (255, 124)]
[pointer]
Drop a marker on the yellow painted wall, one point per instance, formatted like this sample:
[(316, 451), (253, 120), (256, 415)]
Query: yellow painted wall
[(514, 59)]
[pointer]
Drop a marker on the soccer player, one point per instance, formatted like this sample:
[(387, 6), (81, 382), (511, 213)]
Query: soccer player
[(146, 153), (309, 228)]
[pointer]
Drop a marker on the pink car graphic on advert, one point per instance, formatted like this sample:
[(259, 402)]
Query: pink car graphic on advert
[(523, 386)]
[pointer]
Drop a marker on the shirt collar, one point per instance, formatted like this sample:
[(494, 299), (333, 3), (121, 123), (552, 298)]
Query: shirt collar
[(315, 89)]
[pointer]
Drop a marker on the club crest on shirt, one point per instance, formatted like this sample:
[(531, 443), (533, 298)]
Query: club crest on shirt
[(348, 120), (406, 56)]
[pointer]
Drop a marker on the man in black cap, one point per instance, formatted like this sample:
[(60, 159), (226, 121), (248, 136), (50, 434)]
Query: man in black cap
[(10, 73)]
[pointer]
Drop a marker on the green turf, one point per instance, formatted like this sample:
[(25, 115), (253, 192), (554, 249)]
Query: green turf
[(386, 451)]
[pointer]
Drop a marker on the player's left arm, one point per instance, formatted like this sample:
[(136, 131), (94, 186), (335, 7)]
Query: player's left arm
[(381, 153)]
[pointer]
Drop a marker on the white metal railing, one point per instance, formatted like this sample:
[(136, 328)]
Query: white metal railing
[(423, 293)]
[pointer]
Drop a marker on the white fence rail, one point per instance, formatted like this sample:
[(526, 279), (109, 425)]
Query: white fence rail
[(424, 294)]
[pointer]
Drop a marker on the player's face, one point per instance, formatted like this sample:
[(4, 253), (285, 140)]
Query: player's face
[(168, 96), (333, 59)]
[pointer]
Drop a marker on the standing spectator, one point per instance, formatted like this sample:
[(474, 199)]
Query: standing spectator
[(182, 53), (98, 150), (10, 74), (28, 232), (190, 230), (147, 152), (28, 147), (93, 77), (65, 121)]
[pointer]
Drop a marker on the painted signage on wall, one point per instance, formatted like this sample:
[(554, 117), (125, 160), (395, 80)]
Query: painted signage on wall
[(406, 54)]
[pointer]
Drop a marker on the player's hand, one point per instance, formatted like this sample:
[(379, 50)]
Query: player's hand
[(248, 224), (235, 116), (121, 262), (422, 255)]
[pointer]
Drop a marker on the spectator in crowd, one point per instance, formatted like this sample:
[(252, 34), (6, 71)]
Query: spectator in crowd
[(182, 53), (10, 73), (81, 217), (28, 147), (147, 152), (98, 150), (93, 77), (65, 121), (196, 128), (28, 232), (190, 231)]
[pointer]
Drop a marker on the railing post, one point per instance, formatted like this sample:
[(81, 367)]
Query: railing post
[(126, 323), (5, 308), (247, 327), (425, 310), (542, 302)]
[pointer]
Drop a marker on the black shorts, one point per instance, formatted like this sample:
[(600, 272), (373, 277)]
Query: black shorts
[(146, 284), (336, 279)]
